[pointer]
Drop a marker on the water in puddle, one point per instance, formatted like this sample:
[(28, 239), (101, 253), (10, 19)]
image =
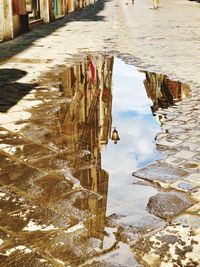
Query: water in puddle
[(137, 128), (71, 185)]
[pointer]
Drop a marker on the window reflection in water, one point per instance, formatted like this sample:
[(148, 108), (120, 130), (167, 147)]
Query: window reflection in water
[(164, 92), (87, 126), (69, 130)]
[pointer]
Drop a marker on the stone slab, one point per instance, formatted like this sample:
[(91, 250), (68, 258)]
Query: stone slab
[(167, 205), (184, 154), (183, 186), (160, 171)]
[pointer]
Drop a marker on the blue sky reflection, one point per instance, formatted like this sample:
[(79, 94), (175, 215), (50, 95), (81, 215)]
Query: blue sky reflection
[(131, 115)]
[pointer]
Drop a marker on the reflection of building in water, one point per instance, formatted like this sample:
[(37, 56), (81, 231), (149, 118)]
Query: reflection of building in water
[(87, 125), (162, 91)]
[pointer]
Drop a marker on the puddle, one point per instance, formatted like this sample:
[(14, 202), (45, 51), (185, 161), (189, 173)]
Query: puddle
[(131, 115), (71, 185), (137, 95)]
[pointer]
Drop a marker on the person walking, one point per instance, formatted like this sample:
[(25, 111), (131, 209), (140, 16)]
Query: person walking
[(156, 3)]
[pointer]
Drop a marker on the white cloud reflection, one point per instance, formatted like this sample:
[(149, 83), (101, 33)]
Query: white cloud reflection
[(128, 89), (137, 129)]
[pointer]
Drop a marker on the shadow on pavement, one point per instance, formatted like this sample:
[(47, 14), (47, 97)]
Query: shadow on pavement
[(10, 90), (13, 47), (198, 1)]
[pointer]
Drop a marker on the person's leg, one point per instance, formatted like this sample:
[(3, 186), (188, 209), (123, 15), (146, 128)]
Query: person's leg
[(155, 4)]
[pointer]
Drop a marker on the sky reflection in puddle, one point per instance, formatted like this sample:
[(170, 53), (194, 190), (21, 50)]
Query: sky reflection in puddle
[(132, 116), (63, 175)]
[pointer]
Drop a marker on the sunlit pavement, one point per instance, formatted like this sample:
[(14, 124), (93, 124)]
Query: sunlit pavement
[(165, 40), (49, 223)]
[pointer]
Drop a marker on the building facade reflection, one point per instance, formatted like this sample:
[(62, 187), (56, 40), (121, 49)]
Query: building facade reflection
[(86, 124), (162, 91)]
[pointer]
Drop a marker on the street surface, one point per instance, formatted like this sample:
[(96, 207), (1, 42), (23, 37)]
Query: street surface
[(50, 214)]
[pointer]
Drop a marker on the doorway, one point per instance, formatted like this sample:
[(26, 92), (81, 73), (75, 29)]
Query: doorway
[(33, 8)]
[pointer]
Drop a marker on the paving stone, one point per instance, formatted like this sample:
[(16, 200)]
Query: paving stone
[(182, 136), (183, 118), (194, 178), (195, 208), (14, 127), (170, 124), (161, 135), (185, 154), (161, 171), (168, 205), (194, 140), (191, 165), (182, 186), (174, 161), (168, 144), (173, 245), (188, 220), (190, 126), (190, 146), (196, 195)]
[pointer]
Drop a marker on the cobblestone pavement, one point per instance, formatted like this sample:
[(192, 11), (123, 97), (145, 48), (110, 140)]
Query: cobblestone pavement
[(164, 41), (167, 41)]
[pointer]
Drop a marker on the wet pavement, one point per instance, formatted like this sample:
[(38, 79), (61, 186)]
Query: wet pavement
[(132, 117), (68, 197)]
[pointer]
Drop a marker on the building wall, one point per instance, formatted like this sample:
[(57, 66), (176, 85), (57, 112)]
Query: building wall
[(7, 20), (46, 10), (85, 128), (61, 7), (163, 91), (20, 25), (1, 21), (19, 17), (14, 21)]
